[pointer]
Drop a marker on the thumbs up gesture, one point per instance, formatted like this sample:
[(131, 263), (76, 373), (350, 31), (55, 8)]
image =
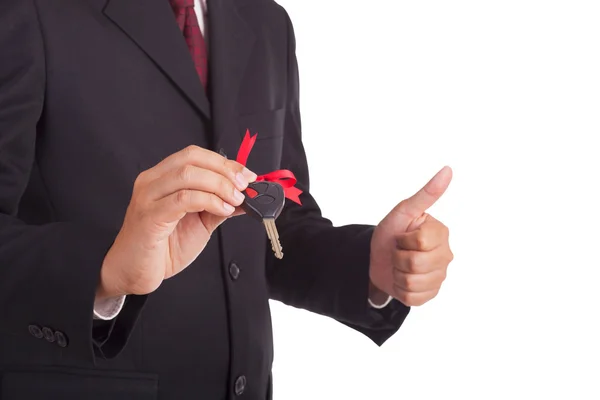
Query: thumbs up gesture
[(410, 252)]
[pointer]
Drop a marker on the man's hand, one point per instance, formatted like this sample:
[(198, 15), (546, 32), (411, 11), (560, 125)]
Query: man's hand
[(174, 209), (410, 252)]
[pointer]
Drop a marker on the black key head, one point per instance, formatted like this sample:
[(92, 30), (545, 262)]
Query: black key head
[(264, 200)]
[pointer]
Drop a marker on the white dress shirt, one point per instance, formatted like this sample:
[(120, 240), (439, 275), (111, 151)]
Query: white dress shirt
[(110, 308)]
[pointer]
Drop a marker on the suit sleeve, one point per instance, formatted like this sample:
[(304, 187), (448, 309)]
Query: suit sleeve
[(48, 272), (325, 269)]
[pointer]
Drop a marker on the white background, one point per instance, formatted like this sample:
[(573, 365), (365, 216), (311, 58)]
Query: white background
[(508, 94)]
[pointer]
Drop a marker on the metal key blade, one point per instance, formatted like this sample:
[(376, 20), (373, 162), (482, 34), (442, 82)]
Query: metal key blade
[(273, 237)]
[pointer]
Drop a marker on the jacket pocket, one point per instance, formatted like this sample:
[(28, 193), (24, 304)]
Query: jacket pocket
[(77, 384)]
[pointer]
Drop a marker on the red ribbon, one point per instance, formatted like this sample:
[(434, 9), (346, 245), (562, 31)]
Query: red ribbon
[(284, 177)]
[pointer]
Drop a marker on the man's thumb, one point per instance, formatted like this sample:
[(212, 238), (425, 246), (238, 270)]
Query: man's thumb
[(212, 222), (416, 205)]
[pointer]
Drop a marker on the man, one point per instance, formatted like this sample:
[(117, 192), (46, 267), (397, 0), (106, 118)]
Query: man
[(126, 268)]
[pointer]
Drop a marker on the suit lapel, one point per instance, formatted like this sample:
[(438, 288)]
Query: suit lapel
[(151, 25), (231, 41)]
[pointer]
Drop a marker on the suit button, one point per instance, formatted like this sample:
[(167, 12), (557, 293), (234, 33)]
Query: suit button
[(36, 331), (240, 385), (61, 339), (49, 334), (234, 271)]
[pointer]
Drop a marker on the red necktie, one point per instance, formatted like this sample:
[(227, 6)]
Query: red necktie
[(188, 23)]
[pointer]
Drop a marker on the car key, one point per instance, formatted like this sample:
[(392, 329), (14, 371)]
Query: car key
[(264, 202)]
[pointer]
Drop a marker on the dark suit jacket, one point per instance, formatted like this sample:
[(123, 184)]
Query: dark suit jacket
[(93, 92)]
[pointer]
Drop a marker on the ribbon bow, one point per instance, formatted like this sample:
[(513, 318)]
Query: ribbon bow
[(284, 177)]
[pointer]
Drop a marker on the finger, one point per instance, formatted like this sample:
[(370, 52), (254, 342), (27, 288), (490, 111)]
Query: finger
[(420, 262), (411, 299), (238, 211), (212, 221), (430, 235), (206, 159), (419, 282), (422, 200), (174, 207), (193, 178)]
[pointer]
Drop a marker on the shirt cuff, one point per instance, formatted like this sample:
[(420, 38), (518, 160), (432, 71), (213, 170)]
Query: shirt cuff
[(108, 309), (380, 306)]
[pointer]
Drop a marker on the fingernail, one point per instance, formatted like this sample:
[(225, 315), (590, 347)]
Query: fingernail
[(238, 196), (228, 207), (241, 181), (249, 175)]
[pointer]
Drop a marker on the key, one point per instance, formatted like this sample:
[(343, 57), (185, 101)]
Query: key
[(264, 202)]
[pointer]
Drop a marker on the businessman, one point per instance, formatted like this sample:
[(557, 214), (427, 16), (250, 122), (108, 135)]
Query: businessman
[(127, 268)]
